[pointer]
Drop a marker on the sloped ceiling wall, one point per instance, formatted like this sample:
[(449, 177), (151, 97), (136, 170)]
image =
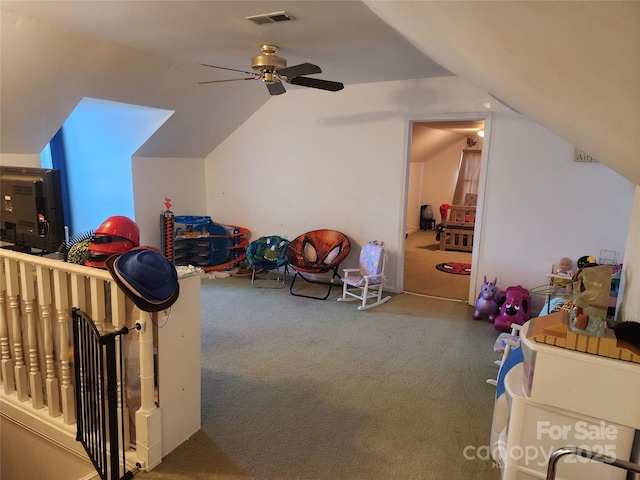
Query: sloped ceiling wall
[(571, 66), (46, 71), (54, 52)]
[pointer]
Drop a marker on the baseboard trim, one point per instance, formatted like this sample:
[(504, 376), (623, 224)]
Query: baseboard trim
[(437, 298)]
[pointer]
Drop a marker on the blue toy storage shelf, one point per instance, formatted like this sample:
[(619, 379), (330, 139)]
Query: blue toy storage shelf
[(199, 241)]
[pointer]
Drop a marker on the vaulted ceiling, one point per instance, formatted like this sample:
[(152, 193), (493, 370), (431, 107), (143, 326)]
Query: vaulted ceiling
[(571, 66)]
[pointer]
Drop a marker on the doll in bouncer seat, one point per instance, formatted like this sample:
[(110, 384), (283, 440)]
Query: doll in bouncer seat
[(562, 275), (564, 267)]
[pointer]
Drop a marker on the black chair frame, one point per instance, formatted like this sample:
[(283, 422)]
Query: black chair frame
[(330, 284)]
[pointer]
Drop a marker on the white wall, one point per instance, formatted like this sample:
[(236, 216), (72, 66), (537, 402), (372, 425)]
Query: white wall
[(551, 46), (154, 179), (433, 179), (311, 159), (46, 71), (20, 160), (540, 205), (630, 288), (440, 176)]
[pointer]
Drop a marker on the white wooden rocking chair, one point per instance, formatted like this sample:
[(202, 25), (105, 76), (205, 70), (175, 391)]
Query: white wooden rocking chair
[(366, 282)]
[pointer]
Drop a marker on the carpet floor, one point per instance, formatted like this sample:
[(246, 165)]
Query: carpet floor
[(422, 254), (301, 389)]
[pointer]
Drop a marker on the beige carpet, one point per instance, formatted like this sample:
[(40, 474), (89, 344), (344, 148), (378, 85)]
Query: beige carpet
[(302, 389), (422, 254)]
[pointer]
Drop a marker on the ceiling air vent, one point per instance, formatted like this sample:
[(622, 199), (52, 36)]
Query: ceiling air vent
[(270, 18)]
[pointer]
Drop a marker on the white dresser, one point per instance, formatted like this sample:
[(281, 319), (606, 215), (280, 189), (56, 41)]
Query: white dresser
[(559, 397)]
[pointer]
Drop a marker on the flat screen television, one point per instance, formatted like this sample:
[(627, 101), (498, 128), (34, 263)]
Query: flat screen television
[(32, 215)]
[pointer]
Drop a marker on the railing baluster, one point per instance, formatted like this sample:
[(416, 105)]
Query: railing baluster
[(118, 306), (148, 416), (61, 300), (44, 301), (78, 292), (98, 307), (36, 358), (28, 297), (79, 300), (119, 320), (147, 391), (6, 365), (19, 367)]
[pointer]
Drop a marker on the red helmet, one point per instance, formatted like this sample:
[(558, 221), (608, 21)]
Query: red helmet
[(116, 234), (120, 226), (103, 246)]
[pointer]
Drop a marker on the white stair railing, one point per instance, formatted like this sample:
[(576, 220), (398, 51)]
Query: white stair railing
[(36, 297)]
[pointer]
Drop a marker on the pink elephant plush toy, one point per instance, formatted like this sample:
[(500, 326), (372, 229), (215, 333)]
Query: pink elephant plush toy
[(514, 308), (487, 302)]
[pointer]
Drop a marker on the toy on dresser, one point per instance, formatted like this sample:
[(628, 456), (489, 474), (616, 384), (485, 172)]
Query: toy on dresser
[(487, 302), (559, 329), (592, 288)]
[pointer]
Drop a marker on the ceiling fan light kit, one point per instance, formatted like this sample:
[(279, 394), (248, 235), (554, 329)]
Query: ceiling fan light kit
[(273, 71)]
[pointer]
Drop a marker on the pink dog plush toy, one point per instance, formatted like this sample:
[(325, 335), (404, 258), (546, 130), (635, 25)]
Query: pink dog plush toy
[(514, 308)]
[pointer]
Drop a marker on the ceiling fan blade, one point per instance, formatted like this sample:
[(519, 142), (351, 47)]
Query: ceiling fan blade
[(228, 80), (297, 70), (317, 83), (275, 88), (232, 69)]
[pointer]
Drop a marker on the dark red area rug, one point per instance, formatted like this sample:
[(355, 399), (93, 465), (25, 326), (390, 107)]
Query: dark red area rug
[(455, 268)]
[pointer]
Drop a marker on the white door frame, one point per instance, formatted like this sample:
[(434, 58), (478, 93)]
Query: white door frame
[(484, 165)]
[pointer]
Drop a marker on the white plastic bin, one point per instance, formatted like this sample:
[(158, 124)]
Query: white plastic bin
[(534, 431)]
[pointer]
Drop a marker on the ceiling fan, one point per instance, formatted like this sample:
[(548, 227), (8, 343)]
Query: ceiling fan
[(273, 71)]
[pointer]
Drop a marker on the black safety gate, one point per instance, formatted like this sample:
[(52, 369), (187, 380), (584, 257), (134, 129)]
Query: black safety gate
[(96, 359)]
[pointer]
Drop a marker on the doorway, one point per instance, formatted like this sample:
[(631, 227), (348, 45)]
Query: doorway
[(435, 157)]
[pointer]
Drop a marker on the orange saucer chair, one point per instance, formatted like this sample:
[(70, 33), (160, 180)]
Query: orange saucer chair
[(315, 253)]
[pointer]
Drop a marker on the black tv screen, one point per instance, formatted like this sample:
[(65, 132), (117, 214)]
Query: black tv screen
[(32, 216)]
